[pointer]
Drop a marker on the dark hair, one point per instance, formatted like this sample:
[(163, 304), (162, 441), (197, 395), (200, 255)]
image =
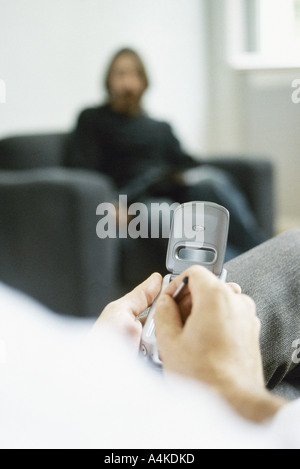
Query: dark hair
[(139, 62)]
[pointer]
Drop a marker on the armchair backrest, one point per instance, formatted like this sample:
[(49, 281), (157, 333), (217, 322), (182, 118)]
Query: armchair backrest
[(33, 151)]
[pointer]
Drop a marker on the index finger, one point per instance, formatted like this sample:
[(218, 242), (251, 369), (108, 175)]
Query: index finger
[(198, 276)]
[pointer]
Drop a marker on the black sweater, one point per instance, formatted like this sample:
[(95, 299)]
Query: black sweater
[(132, 150)]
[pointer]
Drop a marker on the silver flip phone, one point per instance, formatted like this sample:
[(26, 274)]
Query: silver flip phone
[(198, 237)]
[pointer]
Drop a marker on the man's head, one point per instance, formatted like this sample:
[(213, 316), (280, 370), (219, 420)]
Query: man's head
[(126, 81)]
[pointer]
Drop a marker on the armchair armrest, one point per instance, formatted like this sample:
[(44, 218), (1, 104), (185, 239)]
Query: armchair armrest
[(49, 248), (255, 177)]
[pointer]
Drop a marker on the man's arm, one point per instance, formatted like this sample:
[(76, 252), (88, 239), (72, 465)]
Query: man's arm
[(175, 155), (212, 335)]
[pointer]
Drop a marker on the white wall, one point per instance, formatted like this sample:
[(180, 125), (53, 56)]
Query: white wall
[(251, 112), (54, 53), (271, 127)]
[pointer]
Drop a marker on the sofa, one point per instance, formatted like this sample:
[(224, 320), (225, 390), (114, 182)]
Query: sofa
[(48, 243)]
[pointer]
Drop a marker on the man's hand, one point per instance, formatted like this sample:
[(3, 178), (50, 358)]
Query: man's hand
[(213, 327), (212, 334), (121, 314)]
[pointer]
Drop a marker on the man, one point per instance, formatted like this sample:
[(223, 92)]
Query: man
[(144, 159), (62, 387)]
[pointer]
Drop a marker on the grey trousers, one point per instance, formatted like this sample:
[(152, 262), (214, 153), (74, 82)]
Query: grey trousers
[(270, 274)]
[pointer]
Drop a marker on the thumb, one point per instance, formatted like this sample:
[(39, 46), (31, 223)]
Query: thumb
[(168, 322), (139, 299)]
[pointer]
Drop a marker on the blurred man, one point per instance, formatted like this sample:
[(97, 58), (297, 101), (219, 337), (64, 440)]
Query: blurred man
[(144, 159)]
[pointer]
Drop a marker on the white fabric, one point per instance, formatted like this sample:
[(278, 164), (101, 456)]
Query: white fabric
[(61, 389)]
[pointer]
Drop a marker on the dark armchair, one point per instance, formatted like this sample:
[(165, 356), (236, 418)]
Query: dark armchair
[(48, 243)]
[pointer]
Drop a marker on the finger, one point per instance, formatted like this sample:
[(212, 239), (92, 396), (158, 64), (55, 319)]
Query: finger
[(235, 287), (185, 307), (199, 280), (172, 287), (168, 322), (202, 284), (143, 296), (197, 274), (250, 305), (251, 310)]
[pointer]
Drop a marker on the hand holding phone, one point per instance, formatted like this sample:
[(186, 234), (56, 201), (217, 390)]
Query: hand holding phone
[(198, 237)]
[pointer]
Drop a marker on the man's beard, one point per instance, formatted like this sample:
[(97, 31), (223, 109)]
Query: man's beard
[(127, 102)]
